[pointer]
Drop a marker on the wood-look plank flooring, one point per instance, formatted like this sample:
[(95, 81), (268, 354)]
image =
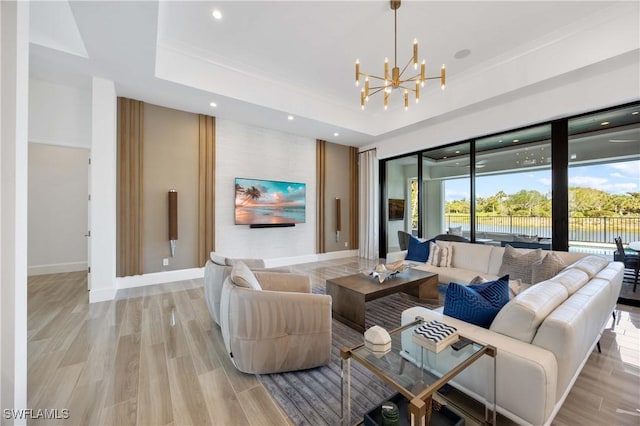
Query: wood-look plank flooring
[(153, 356)]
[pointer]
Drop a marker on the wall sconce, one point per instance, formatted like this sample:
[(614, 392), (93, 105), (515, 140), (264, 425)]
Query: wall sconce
[(338, 222), (173, 220)]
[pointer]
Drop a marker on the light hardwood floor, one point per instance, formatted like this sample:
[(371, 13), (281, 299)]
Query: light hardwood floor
[(154, 357)]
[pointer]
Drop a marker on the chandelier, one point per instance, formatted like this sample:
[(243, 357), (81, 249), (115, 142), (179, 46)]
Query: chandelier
[(395, 81)]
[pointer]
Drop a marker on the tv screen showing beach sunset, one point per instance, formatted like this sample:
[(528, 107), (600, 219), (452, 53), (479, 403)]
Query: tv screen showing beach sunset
[(264, 202)]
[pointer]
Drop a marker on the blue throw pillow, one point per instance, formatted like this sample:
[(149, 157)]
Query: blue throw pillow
[(418, 250), (477, 304)]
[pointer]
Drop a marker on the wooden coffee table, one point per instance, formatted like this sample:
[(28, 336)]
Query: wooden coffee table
[(349, 294)]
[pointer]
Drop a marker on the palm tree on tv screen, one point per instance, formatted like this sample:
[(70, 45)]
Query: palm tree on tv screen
[(253, 193)]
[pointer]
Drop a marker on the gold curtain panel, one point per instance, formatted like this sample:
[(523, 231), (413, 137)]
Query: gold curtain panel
[(130, 136), (353, 198), (321, 171), (207, 188)]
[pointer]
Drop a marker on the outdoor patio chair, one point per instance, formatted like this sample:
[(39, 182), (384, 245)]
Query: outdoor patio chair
[(630, 260)]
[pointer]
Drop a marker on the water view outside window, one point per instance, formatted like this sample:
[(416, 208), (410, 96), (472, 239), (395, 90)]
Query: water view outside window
[(517, 203)]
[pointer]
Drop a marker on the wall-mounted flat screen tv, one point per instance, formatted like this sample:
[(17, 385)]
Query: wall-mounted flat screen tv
[(264, 202), (396, 209)]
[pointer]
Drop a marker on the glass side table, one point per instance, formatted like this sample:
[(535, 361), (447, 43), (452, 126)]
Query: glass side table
[(417, 379)]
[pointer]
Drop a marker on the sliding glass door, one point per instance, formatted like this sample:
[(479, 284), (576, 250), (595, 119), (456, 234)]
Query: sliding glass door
[(508, 187)]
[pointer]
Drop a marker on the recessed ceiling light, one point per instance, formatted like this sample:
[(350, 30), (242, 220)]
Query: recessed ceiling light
[(500, 141), (604, 123), (444, 157), (516, 140), (462, 53), (216, 14), (336, 134), (457, 152), (635, 113), (290, 117), (213, 104), (573, 156)]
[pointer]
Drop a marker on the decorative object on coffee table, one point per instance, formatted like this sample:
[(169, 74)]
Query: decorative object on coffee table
[(384, 271), (377, 340)]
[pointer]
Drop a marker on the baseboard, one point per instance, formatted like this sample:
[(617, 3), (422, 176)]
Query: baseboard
[(96, 296), (308, 258), (56, 268), (196, 273), (159, 278)]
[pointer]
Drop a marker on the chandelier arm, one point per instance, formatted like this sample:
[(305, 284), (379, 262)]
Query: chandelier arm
[(373, 76), (432, 78), (377, 89), (406, 66), (407, 88), (412, 78)]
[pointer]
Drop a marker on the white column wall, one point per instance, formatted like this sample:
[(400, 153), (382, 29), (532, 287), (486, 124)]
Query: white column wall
[(258, 153), (102, 187), (14, 91)]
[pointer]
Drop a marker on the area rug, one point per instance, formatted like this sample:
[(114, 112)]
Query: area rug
[(312, 397)]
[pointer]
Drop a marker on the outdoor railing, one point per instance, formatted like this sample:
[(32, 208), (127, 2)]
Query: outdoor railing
[(586, 229)]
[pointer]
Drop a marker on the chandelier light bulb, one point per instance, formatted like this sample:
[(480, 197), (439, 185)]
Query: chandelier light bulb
[(357, 72), (386, 69), (415, 54), (443, 72)]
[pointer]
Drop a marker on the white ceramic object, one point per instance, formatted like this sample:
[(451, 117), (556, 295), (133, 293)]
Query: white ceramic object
[(377, 340)]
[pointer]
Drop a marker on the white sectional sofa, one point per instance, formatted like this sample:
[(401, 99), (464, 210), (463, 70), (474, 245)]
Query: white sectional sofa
[(543, 336)]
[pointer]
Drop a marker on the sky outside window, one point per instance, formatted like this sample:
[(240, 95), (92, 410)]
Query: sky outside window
[(614, 178)]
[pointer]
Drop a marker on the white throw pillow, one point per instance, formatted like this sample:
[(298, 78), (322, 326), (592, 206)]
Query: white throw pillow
[(455, 230), (242, 276), (440, 255)]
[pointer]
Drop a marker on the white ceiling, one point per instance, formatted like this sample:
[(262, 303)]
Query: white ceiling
[(265, 60)]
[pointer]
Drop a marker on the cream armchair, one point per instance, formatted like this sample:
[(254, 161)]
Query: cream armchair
[(271, 322)]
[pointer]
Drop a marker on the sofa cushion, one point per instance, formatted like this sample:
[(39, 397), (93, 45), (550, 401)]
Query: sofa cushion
[(572, 278), (519, 264), (521, 317), (471, 256), (242, 276), (418, 250), (546, 268), (477, 304), (591, 265)]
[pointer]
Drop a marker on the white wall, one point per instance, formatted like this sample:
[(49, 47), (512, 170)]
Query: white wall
[(253, 152), (59, 114), (14, 91), (57, 221)]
